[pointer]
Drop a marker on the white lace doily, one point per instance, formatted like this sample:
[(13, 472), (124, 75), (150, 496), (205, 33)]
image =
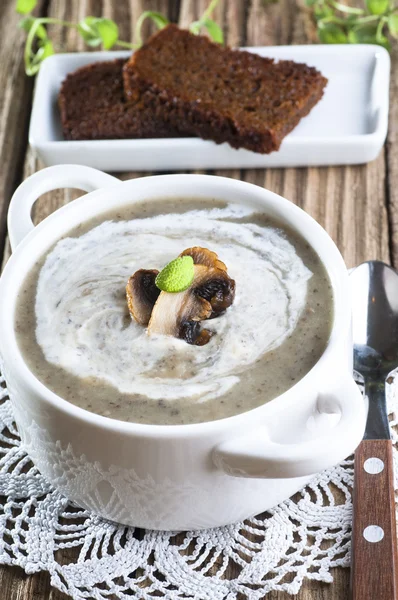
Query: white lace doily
[(303, 537)]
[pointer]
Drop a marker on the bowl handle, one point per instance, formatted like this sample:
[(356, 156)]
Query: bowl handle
[(60, 176), (258, 455)]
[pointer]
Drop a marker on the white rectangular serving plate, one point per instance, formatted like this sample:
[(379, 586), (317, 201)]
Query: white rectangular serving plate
[(348, 126)]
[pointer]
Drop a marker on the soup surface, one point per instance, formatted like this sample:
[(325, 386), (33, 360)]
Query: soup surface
[(75, 332)]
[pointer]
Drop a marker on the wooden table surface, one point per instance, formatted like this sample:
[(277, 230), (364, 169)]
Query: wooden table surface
[(357, 205)]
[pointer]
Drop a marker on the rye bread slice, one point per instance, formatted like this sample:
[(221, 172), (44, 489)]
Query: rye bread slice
[(220, 94), (93, 107)]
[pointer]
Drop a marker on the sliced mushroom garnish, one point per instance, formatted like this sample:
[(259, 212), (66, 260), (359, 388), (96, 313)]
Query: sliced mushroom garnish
[(204, 256), (142, 294), (179, 314), (210, 293), (193, 334), (173, 310), (219, 290)]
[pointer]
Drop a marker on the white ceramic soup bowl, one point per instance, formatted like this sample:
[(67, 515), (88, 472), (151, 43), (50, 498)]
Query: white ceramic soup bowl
[(181, 476)]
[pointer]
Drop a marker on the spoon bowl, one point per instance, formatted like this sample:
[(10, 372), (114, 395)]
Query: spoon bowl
[(374, 288)]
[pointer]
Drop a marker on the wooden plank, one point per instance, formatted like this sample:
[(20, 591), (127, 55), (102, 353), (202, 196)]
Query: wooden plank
[(348, 201)]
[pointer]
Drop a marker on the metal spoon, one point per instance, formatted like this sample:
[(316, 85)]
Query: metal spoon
[(374, 539)]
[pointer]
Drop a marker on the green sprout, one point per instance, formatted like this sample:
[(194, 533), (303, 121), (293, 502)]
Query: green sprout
[(95, 31), (341, 24)]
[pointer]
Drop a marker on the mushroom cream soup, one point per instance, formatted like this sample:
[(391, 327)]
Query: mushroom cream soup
[(77, 336)]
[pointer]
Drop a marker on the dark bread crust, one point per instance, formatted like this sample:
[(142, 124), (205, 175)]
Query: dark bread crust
[(217, 93), (93, 107)]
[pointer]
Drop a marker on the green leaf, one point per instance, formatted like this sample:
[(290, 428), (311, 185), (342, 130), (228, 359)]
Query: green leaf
[(37, 33), (330, 33), (27, 23), (322, 11), (93, 42), (177, 276), (368, 34), (352, 20), (25, 6), (215, 31), (363, 34), (393, 24), (108, 31), (157, 18), (195, 27), (383, 41), (96, 31), (311, 2), (47, 48), (348, 9), (89, 32), (377, 7), (354, 38), (32, 69)]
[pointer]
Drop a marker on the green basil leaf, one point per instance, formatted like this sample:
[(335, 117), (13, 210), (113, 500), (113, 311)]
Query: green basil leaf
[(159, 20), (215, 31), (108, 31), (330, 33), (377, 7), (25, 6), (26, 24), (393, 24)]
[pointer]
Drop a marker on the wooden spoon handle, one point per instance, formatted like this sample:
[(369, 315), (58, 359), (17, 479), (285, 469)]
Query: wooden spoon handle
[(374, 535)]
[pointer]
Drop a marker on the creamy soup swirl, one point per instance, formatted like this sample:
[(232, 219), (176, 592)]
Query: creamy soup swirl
[(82, 322)]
